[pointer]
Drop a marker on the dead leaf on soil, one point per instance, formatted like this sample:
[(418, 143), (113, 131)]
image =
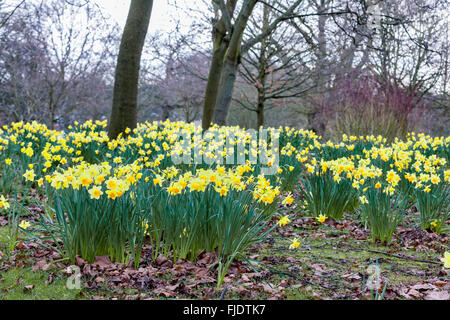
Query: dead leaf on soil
[(28, 288), (437, 295), (79, 261), (164, 293), (101, 262), (352, 277), (207, 259), (414, 294), (423, 286), (41, 265), (162, 261), (318, 267), (270, 289)]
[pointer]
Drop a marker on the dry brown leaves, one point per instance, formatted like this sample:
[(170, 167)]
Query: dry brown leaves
[(435, 289), (186, 277)]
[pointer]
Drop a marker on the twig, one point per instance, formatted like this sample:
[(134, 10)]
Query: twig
[(394, 255)]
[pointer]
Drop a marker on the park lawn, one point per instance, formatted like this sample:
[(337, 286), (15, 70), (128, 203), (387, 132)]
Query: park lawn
[(331, 262)]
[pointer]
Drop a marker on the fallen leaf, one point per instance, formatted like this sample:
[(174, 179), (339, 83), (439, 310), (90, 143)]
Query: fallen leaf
[(269, 289), (440, 283), (101, 262), (87, 270), (437, 295), (352, 276), (55, 255), (39, 265), (28, 288), (79, 261), (318, 267), (424, 286), (245, 277), (316, 295), (284, 284), (207, 259), (164, 293), (291, 260), (162, 261), (414, 293)]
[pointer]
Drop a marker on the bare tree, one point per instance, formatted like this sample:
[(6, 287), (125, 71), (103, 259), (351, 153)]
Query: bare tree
[(55, 58), (228, 28), (5, 16), (279, 67), (124, 108)]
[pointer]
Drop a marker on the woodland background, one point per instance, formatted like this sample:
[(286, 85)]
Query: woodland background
[(334, 66)]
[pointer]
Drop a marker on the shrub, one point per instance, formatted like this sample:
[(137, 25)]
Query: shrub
[(368, 105)]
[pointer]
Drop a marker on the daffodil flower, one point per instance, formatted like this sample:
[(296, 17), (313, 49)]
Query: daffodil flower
[(24, 224), (446, 260), (294, 244), (321, 218), (284, 221)]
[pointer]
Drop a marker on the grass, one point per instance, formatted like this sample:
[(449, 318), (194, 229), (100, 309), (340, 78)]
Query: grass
[(14, 281)]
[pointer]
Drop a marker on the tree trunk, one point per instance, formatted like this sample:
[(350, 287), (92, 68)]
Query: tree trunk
[(225, 91), (165, 112), (124, 109), (232, 60), (322, 69), (52, 108), (212, 85), (260, 112), (262, 69), (221, 41)]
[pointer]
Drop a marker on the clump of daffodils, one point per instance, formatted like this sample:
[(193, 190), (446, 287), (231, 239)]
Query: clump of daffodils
[(97, 179)]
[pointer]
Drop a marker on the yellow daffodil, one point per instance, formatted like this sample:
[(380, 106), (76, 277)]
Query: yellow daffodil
[(321, 218), (3, 203), (294, 244), (29, 175), (446, 259), (288, 200), (24, 224), (95, 193), (284, 221)]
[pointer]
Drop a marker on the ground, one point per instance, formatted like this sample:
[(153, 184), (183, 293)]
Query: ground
[(335, 260)]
